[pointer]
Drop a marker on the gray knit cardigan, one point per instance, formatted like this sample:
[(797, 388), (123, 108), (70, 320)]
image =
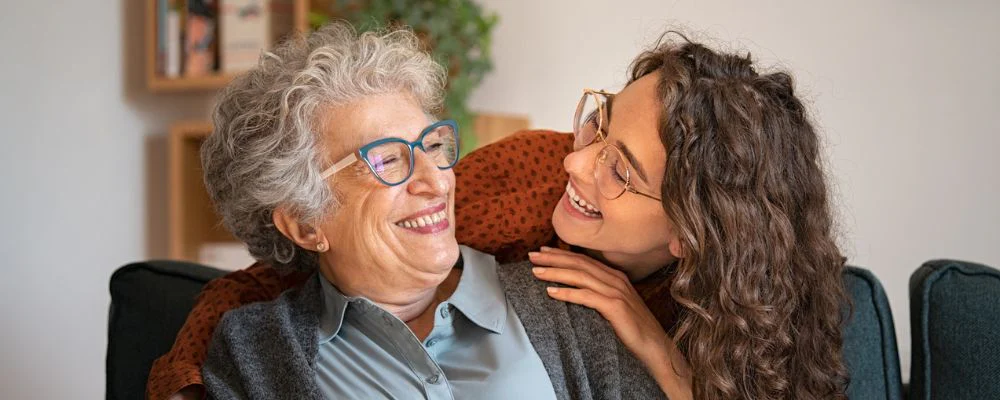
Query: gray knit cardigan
[(268, 350)]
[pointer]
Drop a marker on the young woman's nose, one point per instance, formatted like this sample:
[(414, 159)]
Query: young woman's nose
[(580, 164)]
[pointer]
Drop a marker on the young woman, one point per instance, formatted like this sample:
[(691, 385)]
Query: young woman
[(707, 166), (700, 182)]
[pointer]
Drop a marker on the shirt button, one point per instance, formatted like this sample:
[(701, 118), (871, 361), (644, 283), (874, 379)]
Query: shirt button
[(434, 379), (444, 312)]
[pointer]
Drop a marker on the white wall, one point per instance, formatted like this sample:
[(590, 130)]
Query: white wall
[(81, 152), (905, 92)]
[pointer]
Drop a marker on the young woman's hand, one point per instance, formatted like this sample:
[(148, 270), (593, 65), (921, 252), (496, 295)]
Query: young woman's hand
[(609, 292)]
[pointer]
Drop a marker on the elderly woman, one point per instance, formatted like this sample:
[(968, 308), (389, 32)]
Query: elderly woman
[(325, 157)]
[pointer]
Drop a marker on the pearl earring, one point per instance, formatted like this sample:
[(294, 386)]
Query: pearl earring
[(321, 247)]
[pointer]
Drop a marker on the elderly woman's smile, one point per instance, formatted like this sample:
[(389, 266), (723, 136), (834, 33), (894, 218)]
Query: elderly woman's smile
[(395, 218), (429, 220)]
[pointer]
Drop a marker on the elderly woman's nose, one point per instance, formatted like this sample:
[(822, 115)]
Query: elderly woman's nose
[(427, 177)]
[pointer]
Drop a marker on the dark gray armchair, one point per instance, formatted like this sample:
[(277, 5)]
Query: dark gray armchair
[(955, 325), (150, 301)]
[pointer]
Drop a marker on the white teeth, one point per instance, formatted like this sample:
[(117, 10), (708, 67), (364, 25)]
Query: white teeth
[(425, 220), (581, 204), (582, 210)]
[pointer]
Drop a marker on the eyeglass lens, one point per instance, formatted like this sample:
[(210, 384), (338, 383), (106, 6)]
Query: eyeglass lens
[(391, 161), (610, 172), (588, 119)]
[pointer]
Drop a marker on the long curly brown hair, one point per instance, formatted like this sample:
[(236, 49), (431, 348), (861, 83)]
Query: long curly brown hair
[(760, 290)]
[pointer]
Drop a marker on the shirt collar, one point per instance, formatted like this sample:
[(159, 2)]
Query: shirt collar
[(334, 308), (478, 296)]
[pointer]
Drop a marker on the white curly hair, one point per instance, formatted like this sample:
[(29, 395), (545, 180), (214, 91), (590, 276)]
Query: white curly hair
[(265, 152)]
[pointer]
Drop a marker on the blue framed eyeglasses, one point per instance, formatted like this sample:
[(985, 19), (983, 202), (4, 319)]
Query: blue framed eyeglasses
[(391, 159)]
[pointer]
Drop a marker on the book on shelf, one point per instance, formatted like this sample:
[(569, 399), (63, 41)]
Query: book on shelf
[(199, 38), (169, 17), (161, 37), (248, 27), (196, 38), (243, 33)]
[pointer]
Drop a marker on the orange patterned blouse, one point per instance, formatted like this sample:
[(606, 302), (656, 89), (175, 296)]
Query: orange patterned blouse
[(504, 197)]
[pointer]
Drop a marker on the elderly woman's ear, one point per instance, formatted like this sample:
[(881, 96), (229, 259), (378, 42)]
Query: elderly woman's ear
[(306, 236)]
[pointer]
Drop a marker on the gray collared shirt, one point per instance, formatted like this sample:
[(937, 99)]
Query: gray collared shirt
[(478, 347)]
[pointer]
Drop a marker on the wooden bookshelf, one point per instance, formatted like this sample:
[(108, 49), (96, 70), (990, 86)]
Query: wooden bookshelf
[(157, 83), (161, 84), (192, 220)]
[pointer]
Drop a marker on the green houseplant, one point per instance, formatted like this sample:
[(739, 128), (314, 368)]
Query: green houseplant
[(456, 32)]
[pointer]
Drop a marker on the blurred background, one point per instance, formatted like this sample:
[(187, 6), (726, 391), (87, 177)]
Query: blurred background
[(101, 118)]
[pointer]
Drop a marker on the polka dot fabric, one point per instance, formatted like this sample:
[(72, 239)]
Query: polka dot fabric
[(505, 193), (504, 197)]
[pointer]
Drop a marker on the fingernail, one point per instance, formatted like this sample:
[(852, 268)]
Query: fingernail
[(532, 254), (552, 290), (538, 270), (546, 248)]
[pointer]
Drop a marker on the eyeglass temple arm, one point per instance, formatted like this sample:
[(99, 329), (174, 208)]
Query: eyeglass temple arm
[(634, 191), (350, 159)]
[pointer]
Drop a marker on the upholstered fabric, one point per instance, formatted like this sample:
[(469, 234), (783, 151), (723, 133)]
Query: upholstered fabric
[(870, 340), (955, 324), (149, 303)]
